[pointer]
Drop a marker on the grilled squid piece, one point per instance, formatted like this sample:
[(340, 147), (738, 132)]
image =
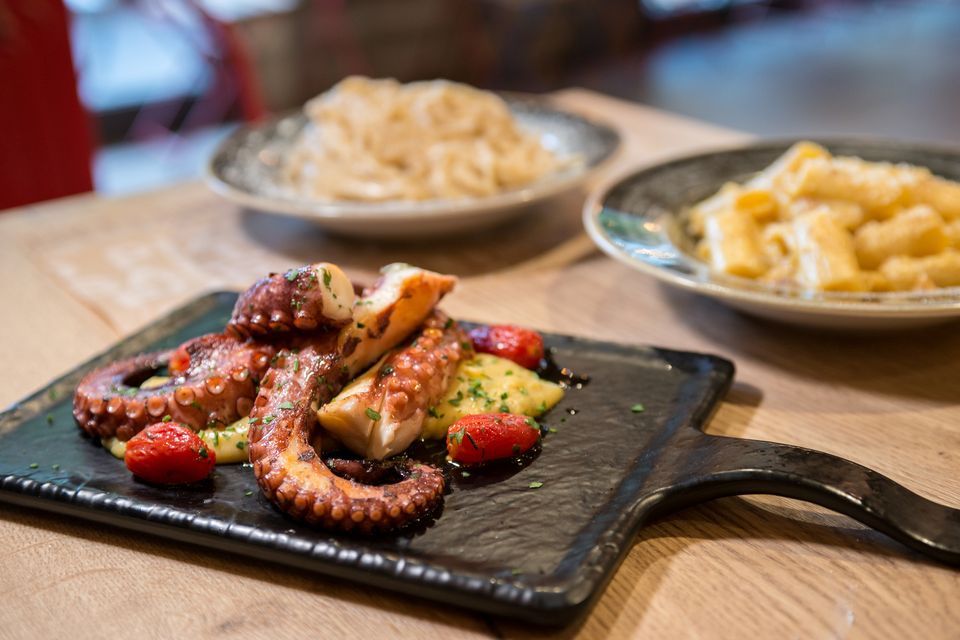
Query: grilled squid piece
[(382, 412)]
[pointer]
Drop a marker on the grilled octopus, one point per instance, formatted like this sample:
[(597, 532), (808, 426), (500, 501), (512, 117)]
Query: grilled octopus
[(294, 340)]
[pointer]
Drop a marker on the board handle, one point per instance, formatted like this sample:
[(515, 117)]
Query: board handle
[(723, 466)]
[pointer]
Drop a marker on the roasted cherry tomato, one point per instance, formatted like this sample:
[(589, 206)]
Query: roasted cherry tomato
[(483, 437), (169, 453), (523, 346)]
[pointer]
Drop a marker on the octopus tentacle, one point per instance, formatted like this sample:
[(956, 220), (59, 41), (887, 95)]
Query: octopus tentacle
[(382, 412), (217, 387), (293, 476), (315, 297)]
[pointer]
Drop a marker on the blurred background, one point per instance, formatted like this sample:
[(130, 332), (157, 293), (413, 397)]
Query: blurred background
[(126, 95)]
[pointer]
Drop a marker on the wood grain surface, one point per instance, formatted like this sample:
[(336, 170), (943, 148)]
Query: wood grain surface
[(80, 273)]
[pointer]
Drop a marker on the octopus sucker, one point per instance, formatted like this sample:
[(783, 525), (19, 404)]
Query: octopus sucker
[(203, 393), (281, 438)]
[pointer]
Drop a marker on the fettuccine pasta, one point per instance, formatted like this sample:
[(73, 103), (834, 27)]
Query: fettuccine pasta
[(377, 140)]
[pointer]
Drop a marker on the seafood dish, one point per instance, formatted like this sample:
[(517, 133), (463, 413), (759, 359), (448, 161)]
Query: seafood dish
[(320, 387)]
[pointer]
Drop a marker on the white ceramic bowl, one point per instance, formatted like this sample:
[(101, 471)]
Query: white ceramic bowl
[(245, 169), (636, 220)]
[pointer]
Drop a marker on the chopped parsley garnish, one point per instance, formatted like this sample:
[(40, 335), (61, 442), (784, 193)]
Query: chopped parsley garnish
[(326, 278), (373, 415), (52, 394), (267, 419), (504, 395), (432, 412), (476, 390), (465, 474), (386, 370), (34, 465), (291, 275), (508, 372), (504, 408), (286, 405), (535, 485), (49, 418), (296, 365), (196, 405), (248, 492), (241, 445), (203, 452), (456, 401), (167, 418), (456, 436), (551, 430), (360, 325), (532, 423), (638, 408), (55, 467), (448, 323)]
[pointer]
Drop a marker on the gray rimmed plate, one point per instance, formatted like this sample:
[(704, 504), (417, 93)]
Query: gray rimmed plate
[(637, 219), (245, 169)]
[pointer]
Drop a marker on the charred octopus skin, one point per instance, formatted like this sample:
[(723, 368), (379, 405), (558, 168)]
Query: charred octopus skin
[(283, 422), (314, 297), (290, 471), (300, 335), (216, 386)]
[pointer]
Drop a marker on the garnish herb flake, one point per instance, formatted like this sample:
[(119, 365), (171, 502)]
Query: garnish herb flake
[(638, 408), (373, 415), (535, 485)]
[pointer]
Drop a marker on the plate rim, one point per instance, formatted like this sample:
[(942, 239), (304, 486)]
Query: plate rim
[(408, 210), (593, 206)]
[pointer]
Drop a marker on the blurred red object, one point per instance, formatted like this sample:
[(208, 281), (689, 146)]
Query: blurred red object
[(45, 138)]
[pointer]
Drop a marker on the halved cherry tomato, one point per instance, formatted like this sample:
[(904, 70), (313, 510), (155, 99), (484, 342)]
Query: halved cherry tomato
[(483, 437), (169, 453), (523, 346)]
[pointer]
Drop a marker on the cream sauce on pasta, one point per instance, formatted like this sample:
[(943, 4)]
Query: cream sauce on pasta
[(377, 140)]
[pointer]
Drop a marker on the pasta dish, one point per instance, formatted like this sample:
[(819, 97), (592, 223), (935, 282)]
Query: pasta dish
[(376, 140), (828, 223)]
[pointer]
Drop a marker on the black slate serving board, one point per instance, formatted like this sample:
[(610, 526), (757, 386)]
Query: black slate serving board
[(499, 545)]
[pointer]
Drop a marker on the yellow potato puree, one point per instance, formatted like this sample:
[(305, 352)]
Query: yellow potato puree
[(229, 444), (488, 384)]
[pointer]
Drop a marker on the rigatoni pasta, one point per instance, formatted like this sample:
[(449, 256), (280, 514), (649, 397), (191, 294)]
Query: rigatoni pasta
[(829, 223)]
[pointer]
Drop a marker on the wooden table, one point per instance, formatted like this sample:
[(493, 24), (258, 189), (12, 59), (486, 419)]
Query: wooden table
[(80, 273)]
